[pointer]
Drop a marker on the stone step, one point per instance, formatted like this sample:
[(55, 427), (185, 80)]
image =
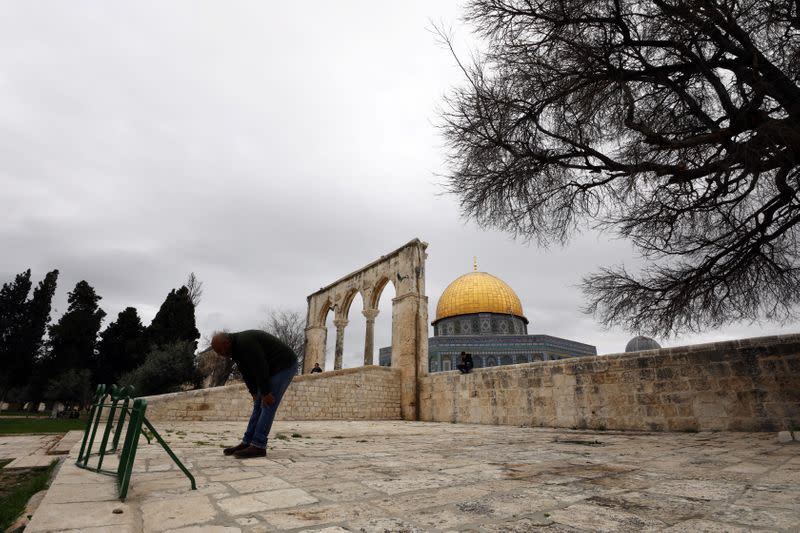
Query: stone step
[(65, 444)]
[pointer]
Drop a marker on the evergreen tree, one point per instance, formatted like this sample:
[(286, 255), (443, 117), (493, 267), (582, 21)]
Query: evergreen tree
[(174, 321), (167, 368), (38, 316), (122, 347), (13, 318), (74, 338)]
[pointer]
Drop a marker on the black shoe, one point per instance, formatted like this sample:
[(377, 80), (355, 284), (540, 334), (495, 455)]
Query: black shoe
[(234, 449), (250, 451)]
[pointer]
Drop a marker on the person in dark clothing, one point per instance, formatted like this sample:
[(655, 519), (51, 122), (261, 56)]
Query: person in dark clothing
[(267, 365), (316, 369), (466, 363)]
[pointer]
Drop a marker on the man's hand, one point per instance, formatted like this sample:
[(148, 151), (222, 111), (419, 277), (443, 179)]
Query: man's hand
[(267, 400)]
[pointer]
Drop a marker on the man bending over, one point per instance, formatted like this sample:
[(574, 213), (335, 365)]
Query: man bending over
[(267, 365)]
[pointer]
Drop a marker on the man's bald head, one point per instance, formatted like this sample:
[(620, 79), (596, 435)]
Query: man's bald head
[(221, 343)]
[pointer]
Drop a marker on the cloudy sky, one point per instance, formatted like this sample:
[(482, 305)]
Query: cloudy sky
[(269, 147)]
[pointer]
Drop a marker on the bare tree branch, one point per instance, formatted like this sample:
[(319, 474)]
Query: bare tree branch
[(672, 123), (195, 287)]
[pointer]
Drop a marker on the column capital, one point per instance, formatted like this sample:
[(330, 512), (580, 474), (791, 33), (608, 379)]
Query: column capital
[(340, 322), (370, 314), (315, 328)]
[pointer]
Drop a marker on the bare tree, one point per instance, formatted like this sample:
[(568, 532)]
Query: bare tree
[(672, 123), (215, 369), (290, 327), (195, 287)]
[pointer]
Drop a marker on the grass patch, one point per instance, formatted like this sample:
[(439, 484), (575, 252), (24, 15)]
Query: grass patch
[(202, 443), (338, 437), (296, 436), (25, 414), (281, 436), (16, 492), (19, 425)]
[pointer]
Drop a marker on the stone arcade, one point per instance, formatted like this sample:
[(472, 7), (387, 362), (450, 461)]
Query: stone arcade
[(405, 269)]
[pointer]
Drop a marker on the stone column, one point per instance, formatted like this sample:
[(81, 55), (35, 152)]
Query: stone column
[(410, 348), (316, 338), (369, 338), (340, 324)]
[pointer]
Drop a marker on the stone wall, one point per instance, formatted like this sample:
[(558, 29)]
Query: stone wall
[(366, 393), (750, 384)]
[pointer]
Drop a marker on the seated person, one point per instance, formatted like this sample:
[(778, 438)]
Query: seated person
[(466, 363), (316, 368)]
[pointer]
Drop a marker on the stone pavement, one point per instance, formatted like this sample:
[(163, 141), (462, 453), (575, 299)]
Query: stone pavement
[(29, 451), (400, 476)]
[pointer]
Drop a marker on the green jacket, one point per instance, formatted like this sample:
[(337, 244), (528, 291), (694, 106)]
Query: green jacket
[(260, 356)]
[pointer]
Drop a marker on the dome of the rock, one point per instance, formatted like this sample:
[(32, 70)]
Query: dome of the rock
[(480, 314), (478, 292)]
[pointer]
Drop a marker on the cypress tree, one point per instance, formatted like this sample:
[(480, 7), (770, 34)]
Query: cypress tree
[(38, 316), (13, 319), (175, 320), (122, 347), (74, 338)]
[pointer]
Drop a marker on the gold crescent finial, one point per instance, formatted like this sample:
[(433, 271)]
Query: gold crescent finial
[(474, 263)]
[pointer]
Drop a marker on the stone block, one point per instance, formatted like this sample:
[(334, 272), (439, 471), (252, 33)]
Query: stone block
[(785, 436)]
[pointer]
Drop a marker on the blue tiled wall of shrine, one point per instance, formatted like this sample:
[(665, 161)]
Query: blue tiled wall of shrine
[(444, 352)]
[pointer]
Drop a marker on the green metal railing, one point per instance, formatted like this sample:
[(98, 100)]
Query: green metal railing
[(121, 405)]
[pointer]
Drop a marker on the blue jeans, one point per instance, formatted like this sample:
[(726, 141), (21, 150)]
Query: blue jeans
[(263, 415)]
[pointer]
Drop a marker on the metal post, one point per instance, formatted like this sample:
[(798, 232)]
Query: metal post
[(98, 396), (129, 451), (109, 422), (121, 422), (98, 413)]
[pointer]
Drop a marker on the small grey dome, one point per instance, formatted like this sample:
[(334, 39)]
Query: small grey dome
[(640, 343)]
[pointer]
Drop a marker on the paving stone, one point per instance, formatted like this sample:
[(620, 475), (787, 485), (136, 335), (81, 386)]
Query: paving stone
[(124, 528), (206, 529), (698, 489), (769, 496), (597, 518), (264, 501), (382, 525), (87, 492), (747, 468), (235, 475), (247, 521), (705, 526), (66, 443), (31, 461), (80, 516), (785, 436), (446, 477), (342, 492), (764, 517), (314, 515), (334, 529), (258, 484), (176, 512)]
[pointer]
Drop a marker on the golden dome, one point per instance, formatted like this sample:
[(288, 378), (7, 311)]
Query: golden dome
[(478, 292)]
